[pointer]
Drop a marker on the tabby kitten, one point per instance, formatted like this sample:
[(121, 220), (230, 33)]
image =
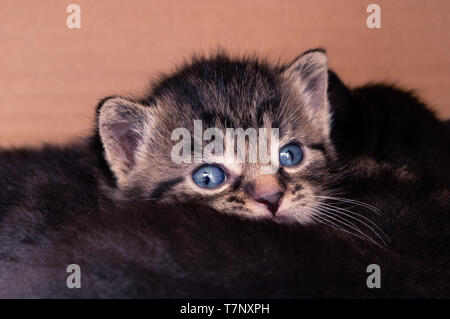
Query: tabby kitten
[(225, 93)]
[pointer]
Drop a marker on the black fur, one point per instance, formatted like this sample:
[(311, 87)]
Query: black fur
[(393, 129), (163, 187), (186, 251)]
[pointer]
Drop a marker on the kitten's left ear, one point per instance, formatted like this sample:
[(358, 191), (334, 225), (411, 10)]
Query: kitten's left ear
[(308, 76)]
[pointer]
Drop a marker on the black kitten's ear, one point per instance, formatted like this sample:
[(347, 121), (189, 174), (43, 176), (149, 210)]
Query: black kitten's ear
[(308, 74), (123, 126)]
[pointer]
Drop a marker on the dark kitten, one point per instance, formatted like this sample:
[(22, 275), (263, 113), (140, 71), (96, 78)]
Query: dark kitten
[(187, 251), (395, 155), (367, 161)]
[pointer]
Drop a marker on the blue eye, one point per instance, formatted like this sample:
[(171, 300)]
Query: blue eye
[(209, 176), (291, 155)]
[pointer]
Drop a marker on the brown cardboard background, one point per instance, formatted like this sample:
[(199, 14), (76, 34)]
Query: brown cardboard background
[(51, 77)]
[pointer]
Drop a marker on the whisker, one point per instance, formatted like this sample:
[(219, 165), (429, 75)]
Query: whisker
[(341, 210), (346, 223), (338, 214), (323, 220), (352, 201), (325, 210)]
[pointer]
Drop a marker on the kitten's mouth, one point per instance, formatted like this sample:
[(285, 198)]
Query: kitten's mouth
[(271, 208), (281, 215)]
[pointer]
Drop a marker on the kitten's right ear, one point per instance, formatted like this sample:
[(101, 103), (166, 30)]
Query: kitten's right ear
[(308, 75), (123, 126)]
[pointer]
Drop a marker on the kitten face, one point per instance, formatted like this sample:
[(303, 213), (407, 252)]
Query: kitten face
[(225, 93)]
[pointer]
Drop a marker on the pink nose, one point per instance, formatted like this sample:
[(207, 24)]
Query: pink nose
[(267, 190), (272, 201)]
